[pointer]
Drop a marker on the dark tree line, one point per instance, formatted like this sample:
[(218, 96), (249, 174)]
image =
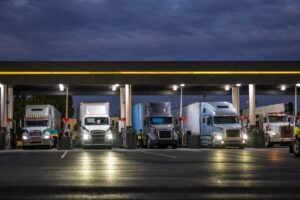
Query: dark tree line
[(57, 101)]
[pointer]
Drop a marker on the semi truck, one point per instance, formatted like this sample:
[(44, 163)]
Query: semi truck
[(94, 125), (42, 125), (273, 122), (157, 123), (213, 124)]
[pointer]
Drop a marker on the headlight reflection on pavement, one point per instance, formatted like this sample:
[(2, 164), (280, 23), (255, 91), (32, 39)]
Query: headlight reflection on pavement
[(85, 168), (110, 162)]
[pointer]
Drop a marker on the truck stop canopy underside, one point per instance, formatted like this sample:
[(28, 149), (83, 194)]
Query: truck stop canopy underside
[(148, 77)]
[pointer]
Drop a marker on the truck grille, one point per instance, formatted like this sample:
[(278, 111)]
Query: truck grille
[(98, 137), (35, 133), (98, 132), (165, 134), (233, 133), (286, 131)]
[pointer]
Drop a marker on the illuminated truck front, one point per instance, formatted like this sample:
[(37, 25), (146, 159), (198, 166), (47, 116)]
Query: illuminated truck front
[(161, 131), (277, 130), (96, 131), (227, 131), (37, 131)]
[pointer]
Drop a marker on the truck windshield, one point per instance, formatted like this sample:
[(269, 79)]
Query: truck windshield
[(96, 121), (160, 120), (36, 123), (226, 120), (277, 119)]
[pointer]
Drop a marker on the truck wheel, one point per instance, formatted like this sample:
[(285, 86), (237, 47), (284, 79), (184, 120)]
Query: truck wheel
[(267, 142), (241, 146), (174, 146), (149, 145), (296, 147)]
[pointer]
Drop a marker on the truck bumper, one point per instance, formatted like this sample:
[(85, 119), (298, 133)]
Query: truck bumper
[(96, 143), (281, 140), (41, 142), (165, 142), (235, 142)]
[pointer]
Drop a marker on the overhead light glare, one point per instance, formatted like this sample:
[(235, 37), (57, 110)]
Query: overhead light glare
[(238, 85), (227, 87), (61, 87), (175, 87), (283, 88), (182, 85), (298, 84)]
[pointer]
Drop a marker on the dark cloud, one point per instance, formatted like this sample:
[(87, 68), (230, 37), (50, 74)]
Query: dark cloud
[(149, 30)]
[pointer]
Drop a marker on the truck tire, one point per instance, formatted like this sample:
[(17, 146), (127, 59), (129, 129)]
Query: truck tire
[(174, 146), (267, 142), (149, 145), (242, 146), (296, 147)]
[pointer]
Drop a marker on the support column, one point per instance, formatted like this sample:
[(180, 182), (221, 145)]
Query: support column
[(296, 103), (3, 130), (122, 106), (235, 98), (3, 107), (128, 105), (10, 106), (252, 105)]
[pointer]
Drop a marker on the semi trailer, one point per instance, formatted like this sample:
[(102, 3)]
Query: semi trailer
[(157, 123), (42, 125), (214, 124), (94, 124)]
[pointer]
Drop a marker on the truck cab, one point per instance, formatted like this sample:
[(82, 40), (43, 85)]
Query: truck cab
[(42, 124), (159, 129), (277, 129), (94, 125), (220, 125)]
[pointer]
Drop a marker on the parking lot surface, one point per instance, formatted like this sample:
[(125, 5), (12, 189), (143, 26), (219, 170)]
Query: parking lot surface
[(150, 174)]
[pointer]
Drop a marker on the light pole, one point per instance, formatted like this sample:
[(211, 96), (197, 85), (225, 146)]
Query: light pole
[(62, 87), (180, 110), (296, 101), (67, 101)]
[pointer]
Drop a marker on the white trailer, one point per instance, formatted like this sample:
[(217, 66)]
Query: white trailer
[(42, 125), (216, 124), (94, 124), (273, 121)]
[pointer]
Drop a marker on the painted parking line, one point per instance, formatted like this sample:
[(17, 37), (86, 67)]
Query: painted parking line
[(157, 154), (64, 155)]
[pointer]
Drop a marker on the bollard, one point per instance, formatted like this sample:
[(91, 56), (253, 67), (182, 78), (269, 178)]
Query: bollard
[(195, 142), (130, 138), (3, 138), (65, 142)]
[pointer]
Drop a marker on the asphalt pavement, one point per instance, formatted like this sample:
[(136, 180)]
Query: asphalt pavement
[(150, 174)]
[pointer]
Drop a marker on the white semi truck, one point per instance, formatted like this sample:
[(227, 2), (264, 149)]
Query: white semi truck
[(42, 125), (273, 121), (94, 124), (214, 124)]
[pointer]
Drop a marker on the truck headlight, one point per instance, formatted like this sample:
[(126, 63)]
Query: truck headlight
[(25, 137), (46, 135), (274, 134), (109, 136), (245, 136), (219, 137), (85, 136)]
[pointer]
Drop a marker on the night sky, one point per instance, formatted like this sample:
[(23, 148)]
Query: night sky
[(151, 30)]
